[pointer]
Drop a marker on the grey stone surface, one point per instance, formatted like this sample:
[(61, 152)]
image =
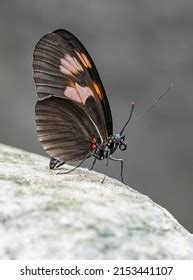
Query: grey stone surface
[(74, 216)]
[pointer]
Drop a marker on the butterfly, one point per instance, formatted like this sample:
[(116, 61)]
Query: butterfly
[(73, 116)]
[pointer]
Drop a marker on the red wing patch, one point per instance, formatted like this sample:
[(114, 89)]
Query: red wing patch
[(93, 144)]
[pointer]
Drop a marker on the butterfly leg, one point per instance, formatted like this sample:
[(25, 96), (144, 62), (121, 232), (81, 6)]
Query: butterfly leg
[(107, 167), (75, 166), (55, 163), (93, 164), (121, 161)]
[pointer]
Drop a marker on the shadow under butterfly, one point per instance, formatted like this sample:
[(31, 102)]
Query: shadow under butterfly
[(73, 116)]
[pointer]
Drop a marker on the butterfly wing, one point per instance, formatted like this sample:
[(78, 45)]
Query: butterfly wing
[(63, 67), (65, 131)]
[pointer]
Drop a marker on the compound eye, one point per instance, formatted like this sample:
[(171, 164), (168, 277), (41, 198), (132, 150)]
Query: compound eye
[(122, 146)]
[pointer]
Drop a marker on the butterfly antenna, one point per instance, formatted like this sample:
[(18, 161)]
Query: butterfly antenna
[(152, 105), (130, 115)]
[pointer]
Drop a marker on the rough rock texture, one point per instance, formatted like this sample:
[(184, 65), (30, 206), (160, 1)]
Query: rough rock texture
[(49, 216)]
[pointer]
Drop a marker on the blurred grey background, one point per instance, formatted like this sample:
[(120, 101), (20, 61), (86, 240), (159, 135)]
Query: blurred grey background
[(139, 47)]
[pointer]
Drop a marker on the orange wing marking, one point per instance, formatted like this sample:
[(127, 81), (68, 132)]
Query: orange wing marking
[(97, 90), (85, 61)]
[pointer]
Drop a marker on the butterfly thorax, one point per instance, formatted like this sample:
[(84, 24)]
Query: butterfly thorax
[(107, 148)]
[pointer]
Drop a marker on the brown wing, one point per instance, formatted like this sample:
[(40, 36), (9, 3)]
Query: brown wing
[(65, 131), (63, 67)]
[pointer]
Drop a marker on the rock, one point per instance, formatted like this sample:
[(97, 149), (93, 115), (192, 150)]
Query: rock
[(74, 216)]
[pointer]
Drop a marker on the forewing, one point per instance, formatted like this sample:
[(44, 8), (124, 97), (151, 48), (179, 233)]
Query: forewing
[(63, 67), (64, 129)]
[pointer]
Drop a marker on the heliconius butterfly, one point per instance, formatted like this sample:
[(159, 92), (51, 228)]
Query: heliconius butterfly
[(73, 116)]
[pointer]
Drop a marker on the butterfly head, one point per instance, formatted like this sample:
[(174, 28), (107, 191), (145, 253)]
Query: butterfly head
[(117, 140), (105, 149)]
